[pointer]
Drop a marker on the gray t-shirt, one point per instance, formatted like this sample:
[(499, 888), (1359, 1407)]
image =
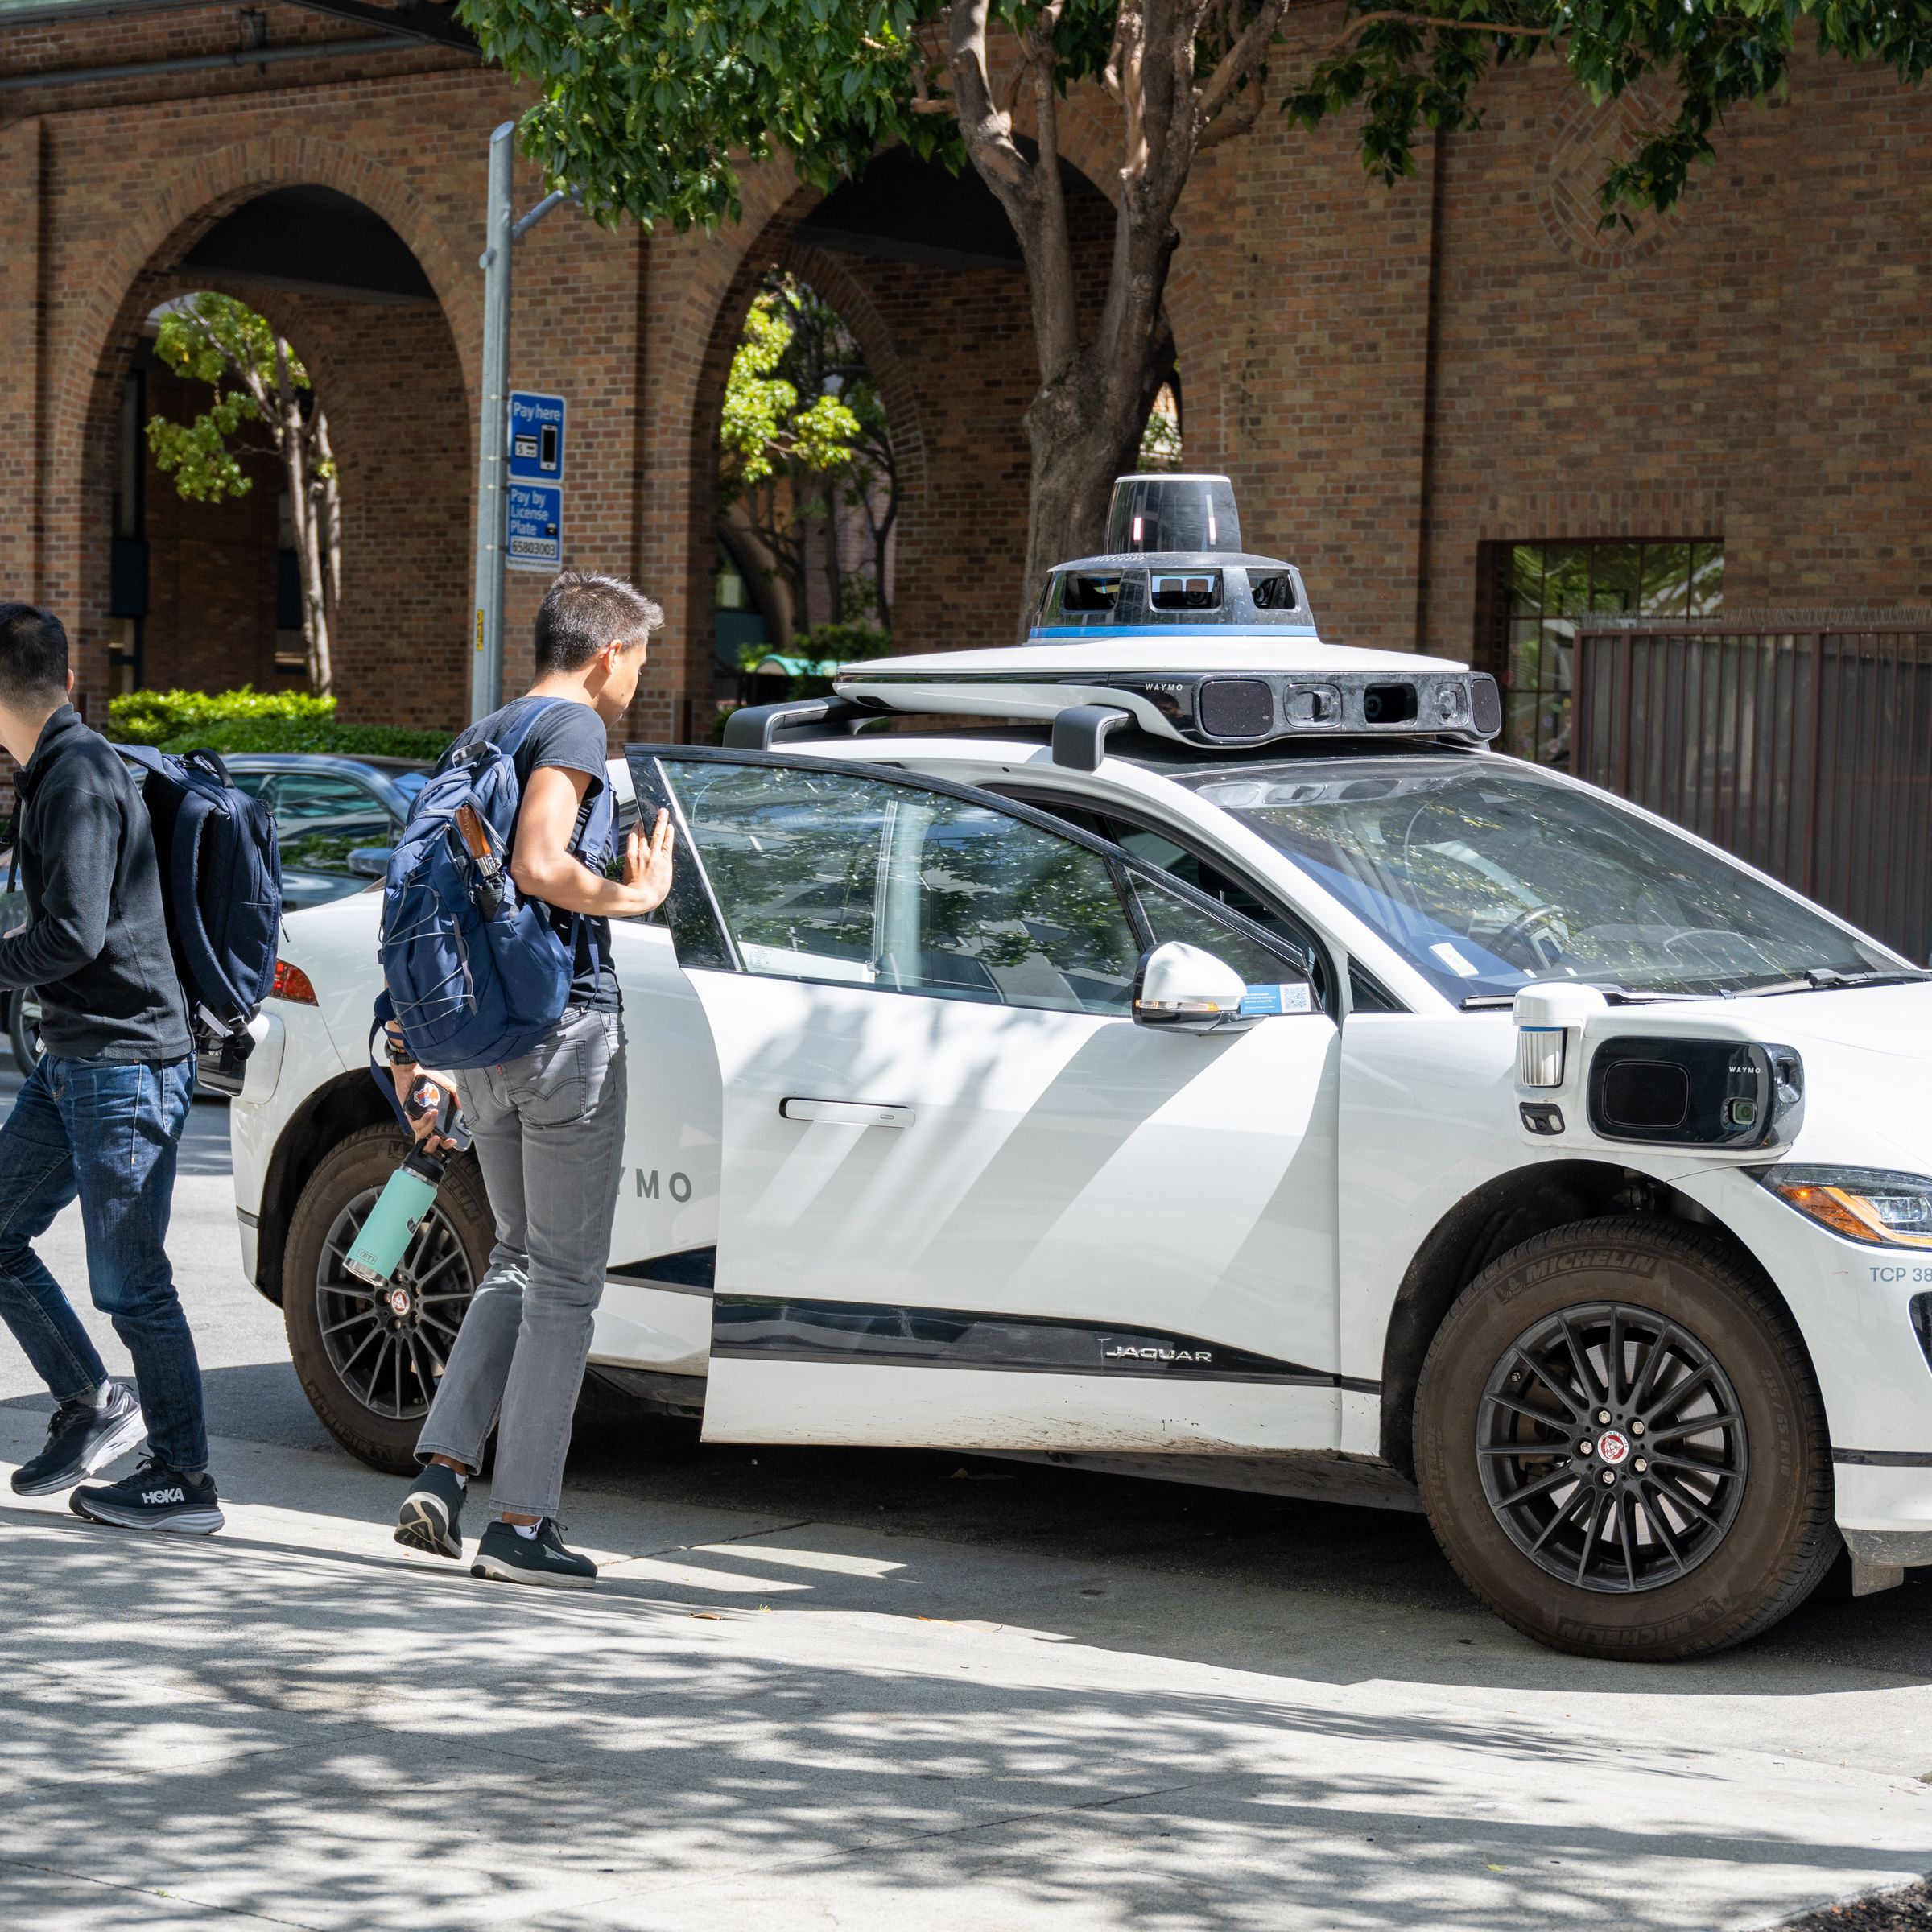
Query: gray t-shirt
[(571, 737)]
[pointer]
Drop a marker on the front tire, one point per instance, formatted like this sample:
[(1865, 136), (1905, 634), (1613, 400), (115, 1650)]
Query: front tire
[(1620, 1444), (369, 1359)]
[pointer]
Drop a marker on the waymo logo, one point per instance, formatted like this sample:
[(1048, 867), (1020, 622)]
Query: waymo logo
[(679, 1185), (1126, 1351)]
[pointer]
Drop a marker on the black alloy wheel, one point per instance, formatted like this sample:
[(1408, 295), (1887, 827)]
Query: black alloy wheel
[(369, 1357), (1620, 1443), (388, 1345), (1611, 1447)]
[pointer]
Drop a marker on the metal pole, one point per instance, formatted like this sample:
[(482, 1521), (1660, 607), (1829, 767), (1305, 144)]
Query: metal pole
[(486, 657)]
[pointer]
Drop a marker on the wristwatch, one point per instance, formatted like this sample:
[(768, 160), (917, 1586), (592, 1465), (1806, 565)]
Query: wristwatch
[(396, 1058)]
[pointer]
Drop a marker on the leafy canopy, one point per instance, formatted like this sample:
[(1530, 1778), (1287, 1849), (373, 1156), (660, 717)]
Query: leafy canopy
[(767, 428), (214, 339), (650, 109)]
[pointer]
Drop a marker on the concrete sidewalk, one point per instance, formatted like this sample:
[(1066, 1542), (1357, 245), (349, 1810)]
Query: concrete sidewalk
[(762, 1720)]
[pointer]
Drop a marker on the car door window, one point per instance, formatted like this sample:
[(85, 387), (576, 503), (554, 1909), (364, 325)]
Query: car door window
[(1171, 917), (320, 819), (823, 876)]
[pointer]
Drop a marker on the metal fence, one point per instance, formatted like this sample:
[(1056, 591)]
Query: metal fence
[(1808, 753)]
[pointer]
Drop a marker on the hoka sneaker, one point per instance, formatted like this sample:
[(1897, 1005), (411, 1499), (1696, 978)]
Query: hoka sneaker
[(154, 1497), (428, 1518), (542, 1558), (83, 1437)]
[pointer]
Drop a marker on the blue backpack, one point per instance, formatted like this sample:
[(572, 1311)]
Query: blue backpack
[(475, 974), (221, 888)]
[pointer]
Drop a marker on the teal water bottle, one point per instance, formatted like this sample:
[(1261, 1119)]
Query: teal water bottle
[(400, 1209), (394, 1220)]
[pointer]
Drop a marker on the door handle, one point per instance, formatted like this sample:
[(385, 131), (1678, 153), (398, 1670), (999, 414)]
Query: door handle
[(844, 1113)]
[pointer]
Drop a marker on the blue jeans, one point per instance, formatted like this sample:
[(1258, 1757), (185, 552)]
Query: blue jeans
[(107, 1131)]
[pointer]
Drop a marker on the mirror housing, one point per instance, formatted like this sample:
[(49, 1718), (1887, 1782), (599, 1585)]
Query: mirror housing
[(1185, 989), (369, 861)]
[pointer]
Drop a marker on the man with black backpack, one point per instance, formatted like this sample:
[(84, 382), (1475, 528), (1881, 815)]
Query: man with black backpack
[(102, 1115), (523, 795)]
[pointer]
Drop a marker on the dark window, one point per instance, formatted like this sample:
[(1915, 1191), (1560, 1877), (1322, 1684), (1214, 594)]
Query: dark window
[(1536, 596)]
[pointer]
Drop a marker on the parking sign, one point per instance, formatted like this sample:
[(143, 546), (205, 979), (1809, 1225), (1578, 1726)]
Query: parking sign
[(536, 437), (535, 519)]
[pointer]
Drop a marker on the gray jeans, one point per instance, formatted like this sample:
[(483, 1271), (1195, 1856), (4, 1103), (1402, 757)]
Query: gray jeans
[(549, 1133)]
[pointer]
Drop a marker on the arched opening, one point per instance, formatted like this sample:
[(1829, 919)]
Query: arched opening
[(808, 492), (922, 268), (205, 588)]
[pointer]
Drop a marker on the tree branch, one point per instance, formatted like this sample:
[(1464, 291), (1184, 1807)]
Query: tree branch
[(987, 132), (1359, 25), (1233, 70)]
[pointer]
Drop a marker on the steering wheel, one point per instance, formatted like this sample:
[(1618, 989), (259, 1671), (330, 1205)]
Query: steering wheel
[(1696, 932), (1527, 928)]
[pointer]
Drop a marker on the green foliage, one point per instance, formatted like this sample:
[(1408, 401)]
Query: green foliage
[(216, 339), (258, 720), (768, 427), (1418, 68), (651, 108)]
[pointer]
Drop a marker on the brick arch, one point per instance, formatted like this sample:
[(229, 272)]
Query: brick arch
[(143, 268), (138, 270), (714, 285)]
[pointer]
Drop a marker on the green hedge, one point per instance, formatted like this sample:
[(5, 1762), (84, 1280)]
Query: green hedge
[(258, 720)]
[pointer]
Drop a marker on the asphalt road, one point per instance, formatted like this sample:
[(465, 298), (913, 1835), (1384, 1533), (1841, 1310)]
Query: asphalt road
[(1779, 1777)]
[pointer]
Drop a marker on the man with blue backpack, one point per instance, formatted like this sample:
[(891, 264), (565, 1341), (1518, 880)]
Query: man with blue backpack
[(100, 1117), (496, 958)]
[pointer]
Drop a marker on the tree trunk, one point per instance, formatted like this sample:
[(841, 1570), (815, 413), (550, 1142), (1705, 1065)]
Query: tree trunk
[(835, 577), (332, 517), (291, 436)]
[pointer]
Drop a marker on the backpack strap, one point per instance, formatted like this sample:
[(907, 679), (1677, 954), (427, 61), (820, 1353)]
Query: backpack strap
[(197, 955)]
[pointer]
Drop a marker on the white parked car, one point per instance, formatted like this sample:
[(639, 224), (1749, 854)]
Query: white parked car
[(1122, 1088)]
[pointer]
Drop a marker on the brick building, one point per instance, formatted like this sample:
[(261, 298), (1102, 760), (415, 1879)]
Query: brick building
[(1452, 403)]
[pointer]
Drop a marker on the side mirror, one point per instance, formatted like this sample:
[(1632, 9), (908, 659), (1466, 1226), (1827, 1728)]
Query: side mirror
[(1187, 990), (369, 861)]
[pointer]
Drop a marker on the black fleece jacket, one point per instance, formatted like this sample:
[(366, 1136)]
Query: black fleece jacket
[(96, 941)]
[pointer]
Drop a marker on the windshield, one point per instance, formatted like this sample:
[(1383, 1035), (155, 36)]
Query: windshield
[(1484, 874)]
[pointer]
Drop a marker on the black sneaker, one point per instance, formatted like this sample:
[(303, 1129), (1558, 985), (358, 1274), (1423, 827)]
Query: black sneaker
[(82, 1438), (154, 1497), (541, 1558), (427, 1519)]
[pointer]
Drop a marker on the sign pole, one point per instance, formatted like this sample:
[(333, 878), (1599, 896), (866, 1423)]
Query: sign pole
[(501, 231), (486, 655)]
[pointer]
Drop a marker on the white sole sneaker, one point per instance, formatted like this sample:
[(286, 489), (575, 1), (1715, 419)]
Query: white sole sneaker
[(422, 1524), (502, 1572), (110, 1448), (183, 1522)]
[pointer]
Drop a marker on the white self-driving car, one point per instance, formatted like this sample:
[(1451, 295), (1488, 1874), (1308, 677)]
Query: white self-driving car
[(1226, 1068)]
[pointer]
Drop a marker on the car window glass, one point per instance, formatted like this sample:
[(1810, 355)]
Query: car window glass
[(824, 877), (1156, 849), (250, 781), (320, 819), (1171, 917)]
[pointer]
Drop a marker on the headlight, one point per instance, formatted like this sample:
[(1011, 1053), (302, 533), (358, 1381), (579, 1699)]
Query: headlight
[(1862, 1204)]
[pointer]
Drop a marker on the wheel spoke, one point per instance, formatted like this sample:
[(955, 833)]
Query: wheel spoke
[(1586, 1378), (1660, 1353), (1613, 1358), (1688, 1504), (1624, 1503), (1568, 1509), (348, 1321), (1538, 1487), (1660, 1524), (1674, 1398), (1598, 1501), (347, 1362), (1696, 1425), (1571, 1412), (455, 1254)]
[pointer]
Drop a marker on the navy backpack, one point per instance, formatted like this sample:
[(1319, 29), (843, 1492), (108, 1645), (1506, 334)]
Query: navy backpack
[(475, 974), (221, 888)]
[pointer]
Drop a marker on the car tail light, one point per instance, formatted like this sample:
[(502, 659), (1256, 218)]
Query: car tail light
[(292, 983)]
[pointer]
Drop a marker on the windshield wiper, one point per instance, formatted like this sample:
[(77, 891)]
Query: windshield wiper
[(1829, 979), (1615, 996)]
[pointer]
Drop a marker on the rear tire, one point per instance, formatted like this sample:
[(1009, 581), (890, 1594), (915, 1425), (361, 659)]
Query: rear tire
[(368, 1368), (23, 1030), (1640, 1537)]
